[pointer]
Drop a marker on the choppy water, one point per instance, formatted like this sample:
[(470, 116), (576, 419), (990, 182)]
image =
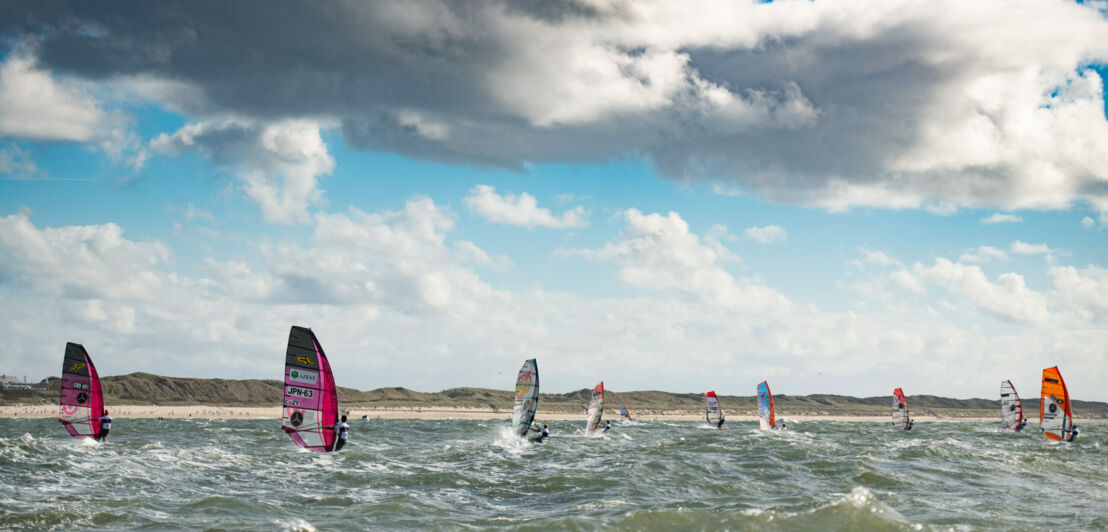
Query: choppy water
[(461, 474)]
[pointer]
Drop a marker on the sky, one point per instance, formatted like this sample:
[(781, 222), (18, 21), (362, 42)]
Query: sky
[(837, 197)]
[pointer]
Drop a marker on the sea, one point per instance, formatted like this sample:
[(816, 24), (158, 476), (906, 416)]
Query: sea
[(246, 474)]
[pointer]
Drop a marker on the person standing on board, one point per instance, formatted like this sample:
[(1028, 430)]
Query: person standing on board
[(607, 426), (105, 426), (1022, 425), (543, 434), (344, 430), (1072, 434), (719, 425)]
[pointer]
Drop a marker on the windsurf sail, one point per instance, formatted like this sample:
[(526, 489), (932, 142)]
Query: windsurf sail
[(712, 412), (900, 411), (1011, 409), (527, 397), (1055, 415), (311, 410), (596, 409), (624, 413), (767, 416), (82, 401)]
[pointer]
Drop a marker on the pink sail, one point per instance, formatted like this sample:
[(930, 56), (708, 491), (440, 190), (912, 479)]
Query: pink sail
[(82, 400), (311, 407)]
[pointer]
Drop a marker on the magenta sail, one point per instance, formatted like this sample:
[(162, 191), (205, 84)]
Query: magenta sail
[(311, 409), (82, 401)]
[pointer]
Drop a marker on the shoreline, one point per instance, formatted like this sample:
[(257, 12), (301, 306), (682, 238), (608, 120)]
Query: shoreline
[(355, 413)]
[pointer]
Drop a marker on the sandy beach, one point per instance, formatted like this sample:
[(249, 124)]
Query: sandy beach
[(236, 412)]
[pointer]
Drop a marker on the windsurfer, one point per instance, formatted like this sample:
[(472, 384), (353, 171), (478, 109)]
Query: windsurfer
[(783, 426), (719, 425), (1072, 433), (344, 430), (105, 426), (911, 423), (544, 433), (1022, 425), (607, 426)]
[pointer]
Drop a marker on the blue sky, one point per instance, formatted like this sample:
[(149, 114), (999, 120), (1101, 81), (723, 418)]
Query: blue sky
[(639, 193)]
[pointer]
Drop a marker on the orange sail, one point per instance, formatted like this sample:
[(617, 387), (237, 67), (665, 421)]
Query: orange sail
[(1055, 414)]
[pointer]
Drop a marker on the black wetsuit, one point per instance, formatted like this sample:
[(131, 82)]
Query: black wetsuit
[(105, 427), (543, 435), (343, 430)]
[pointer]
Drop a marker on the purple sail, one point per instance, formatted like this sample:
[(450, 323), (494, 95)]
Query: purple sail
[(82, 400), (311, 408)]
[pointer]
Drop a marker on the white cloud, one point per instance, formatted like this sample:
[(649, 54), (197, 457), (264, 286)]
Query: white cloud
[(726, 189), (278, 164), (907, 281), (768, 234), (193, 213), (1008, 298), (878, 257), (522, 210), (1001, 218), (17, 164), (468, 253), (1085, 290), (657, 252), (1023, 248), (984, 254), (1088, 223), (390, 295), (38, 106), (80, 262), (33, 105)]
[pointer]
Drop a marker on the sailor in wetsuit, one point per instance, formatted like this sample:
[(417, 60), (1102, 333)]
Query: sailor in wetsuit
[(607, 426), (543, 434), (105, 426), (1021, 425), (720, 424), (1072, 434), (344, 430)]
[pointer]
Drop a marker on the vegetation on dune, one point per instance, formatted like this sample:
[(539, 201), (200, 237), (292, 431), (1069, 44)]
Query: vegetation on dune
[(145, 388)]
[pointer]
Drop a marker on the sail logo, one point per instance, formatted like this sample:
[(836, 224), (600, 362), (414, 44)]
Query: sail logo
[(306, 360), (304, 376), (295, 391), (522, 384), (296, 418), (292, 402), (78, 366)]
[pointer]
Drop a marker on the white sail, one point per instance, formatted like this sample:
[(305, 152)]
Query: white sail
[(596, 409), (712, 411), (1011, 409), (526, 397), (900, 411)]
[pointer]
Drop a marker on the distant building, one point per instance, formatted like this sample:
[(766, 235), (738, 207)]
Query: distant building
[(9, 382)]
